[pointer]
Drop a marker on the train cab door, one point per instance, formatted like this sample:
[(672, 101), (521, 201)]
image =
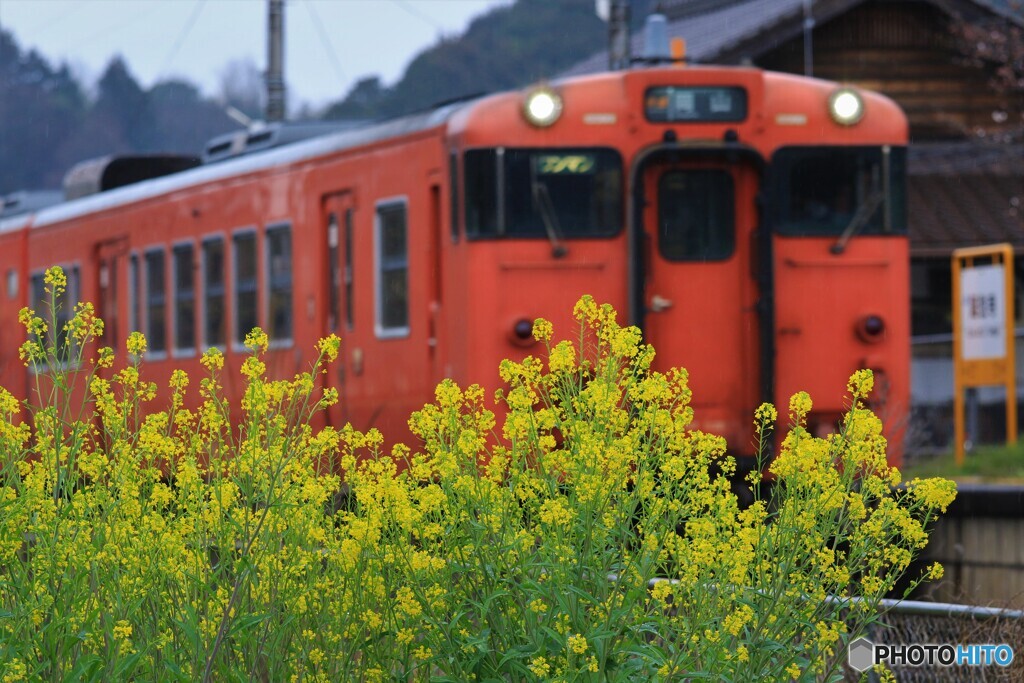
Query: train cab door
[(694, 283), (337, 221)]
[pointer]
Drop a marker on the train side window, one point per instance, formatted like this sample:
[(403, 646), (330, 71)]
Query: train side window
[(39, 302), (334, 273), (246, 316), (696, 220), (156, 301), (213, 292), (279, 282), (392, 258), (184, 298), (348, 273), (37, 294), (12, 283), (57, 318), (134, 288)]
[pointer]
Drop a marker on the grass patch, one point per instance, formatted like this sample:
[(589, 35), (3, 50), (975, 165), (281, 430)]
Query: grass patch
[(985, 463)]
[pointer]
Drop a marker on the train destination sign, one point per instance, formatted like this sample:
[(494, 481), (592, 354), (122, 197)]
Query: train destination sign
[(565, 164), (676, 103)]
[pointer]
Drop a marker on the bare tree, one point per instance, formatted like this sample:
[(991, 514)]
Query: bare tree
[(241, 87), (996, 43)]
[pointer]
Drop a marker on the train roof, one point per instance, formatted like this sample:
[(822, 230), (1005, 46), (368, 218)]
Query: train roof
[(280, 156)]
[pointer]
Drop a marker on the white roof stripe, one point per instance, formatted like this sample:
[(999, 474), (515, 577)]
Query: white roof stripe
[(280, 156)]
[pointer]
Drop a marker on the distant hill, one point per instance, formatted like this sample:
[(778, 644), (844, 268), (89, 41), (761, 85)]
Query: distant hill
[(509, 47), (47, 123)]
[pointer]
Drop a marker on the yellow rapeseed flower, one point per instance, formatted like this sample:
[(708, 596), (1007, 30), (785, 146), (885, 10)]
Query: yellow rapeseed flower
[(136, 343), (329, 346), (56, 279), (540, 667), (257, 340), (542, 330)]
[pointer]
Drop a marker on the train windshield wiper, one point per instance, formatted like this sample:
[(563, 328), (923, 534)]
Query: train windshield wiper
[(864, 213), (542, 200)]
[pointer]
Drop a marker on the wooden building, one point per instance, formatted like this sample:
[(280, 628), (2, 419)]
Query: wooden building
[(956, 67)]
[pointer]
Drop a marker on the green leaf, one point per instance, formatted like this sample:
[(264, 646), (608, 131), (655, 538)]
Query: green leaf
[(245, 623), (86, 669), (126, 665), (515, 654)]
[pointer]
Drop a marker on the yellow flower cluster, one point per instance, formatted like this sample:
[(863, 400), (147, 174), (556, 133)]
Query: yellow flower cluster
[(149, 542)]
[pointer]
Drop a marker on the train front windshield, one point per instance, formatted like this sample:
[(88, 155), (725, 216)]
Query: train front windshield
[(830, 191), (516, 192)]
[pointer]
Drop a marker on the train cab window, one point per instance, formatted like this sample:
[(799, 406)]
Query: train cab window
[(246, 313), (213, 292), (392, 256), (828, 191), (696, 221), (156, 301), (184, 298), (279, 281), (554, 193)]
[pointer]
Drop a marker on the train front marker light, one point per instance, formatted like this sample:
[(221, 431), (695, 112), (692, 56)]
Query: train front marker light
[(523, 329), (871, 328), (542, 107), (846, 106)]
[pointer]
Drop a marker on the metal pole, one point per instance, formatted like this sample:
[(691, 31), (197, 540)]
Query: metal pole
[(618, 35), (275, 61), (808, 49)]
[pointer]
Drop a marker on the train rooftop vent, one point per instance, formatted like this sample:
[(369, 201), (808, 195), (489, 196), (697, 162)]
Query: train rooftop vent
[(27, 201), (105, 173), (266, 136)]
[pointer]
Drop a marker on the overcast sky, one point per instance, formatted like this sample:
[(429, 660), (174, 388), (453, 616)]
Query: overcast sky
[(329, 44)]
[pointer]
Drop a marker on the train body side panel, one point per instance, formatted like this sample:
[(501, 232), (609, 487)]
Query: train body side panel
[(13, 296), (821, 300)]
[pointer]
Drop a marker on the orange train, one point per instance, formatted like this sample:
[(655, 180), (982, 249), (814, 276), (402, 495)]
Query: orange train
[(751, 223)]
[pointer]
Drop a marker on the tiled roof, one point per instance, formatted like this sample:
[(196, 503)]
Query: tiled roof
[(711, 30), (710, 33), (964, 194), (954, 158)]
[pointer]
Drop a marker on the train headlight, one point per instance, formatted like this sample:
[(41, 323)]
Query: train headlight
[(846, 106), (542, 107)]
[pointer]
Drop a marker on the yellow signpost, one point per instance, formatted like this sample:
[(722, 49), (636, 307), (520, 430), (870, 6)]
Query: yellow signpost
[(983, 331)]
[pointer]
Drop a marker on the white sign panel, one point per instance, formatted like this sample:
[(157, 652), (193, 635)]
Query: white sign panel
[(983, 312)]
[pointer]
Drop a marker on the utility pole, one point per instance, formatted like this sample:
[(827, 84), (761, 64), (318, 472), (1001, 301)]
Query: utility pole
[(618, 35), (275, 62)]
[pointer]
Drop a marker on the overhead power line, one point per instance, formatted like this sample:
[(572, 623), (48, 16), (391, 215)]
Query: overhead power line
[(186, 29), (332, 54), (407, 6), (53, 20)]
